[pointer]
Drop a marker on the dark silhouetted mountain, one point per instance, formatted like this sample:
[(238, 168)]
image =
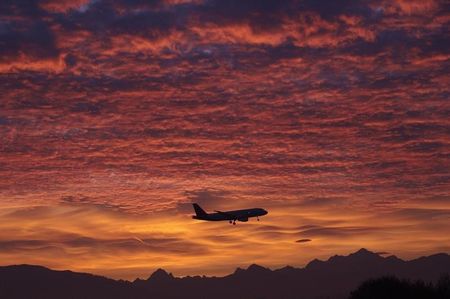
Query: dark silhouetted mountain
[(334, 278), (160, 275), (36, 282)]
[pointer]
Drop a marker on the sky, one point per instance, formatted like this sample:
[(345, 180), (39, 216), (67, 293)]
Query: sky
[(116, 115)]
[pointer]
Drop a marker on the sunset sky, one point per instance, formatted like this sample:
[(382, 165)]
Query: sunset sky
[(116, 115)]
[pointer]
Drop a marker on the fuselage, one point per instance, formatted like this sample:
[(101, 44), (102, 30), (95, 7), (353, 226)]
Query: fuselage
[(239, 215)]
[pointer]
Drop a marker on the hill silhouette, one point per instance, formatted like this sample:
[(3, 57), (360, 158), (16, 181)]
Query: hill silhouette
[(334, 278)]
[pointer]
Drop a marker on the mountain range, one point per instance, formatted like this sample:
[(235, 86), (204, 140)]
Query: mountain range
[(334, 278)]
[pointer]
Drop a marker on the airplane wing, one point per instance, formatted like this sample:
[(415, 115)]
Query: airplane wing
[(226, 214)]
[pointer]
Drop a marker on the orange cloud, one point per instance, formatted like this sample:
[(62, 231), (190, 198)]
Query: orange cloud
[(23, 62), (63, 6)]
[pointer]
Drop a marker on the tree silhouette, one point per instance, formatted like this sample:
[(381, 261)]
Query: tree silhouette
[(390, 287)]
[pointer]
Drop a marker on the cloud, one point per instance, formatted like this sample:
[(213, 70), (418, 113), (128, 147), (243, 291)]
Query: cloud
[(106, 246), (303, 240), (65, 6), (337, 231), (82, 201), (208, 199), (328, 202), (33, 39), (423, 213)]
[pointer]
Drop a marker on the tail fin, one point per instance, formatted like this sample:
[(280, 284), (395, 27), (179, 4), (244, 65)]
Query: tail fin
[(199, 211)]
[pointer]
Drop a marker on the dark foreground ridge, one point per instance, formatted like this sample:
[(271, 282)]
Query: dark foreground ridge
[(391, 287), (334, 278)]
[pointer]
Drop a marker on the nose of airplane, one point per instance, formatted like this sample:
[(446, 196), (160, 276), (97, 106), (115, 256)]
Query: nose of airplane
[(265, 212)]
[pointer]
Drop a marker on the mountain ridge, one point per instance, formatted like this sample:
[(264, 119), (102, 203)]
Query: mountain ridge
[(334, 278)]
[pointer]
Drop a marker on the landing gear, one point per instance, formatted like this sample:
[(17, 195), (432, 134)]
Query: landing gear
[(231, 221), (234, 222), (257, 218)]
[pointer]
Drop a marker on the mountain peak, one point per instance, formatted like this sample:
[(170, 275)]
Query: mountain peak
[(257, 268), (252, 269), (160, 274), (362, 255), (314, 264), (363, 252)]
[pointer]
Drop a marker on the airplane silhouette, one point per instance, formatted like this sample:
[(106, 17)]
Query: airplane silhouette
[(231, 216)]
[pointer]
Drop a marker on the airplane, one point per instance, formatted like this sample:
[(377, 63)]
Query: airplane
[(231, 216)]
